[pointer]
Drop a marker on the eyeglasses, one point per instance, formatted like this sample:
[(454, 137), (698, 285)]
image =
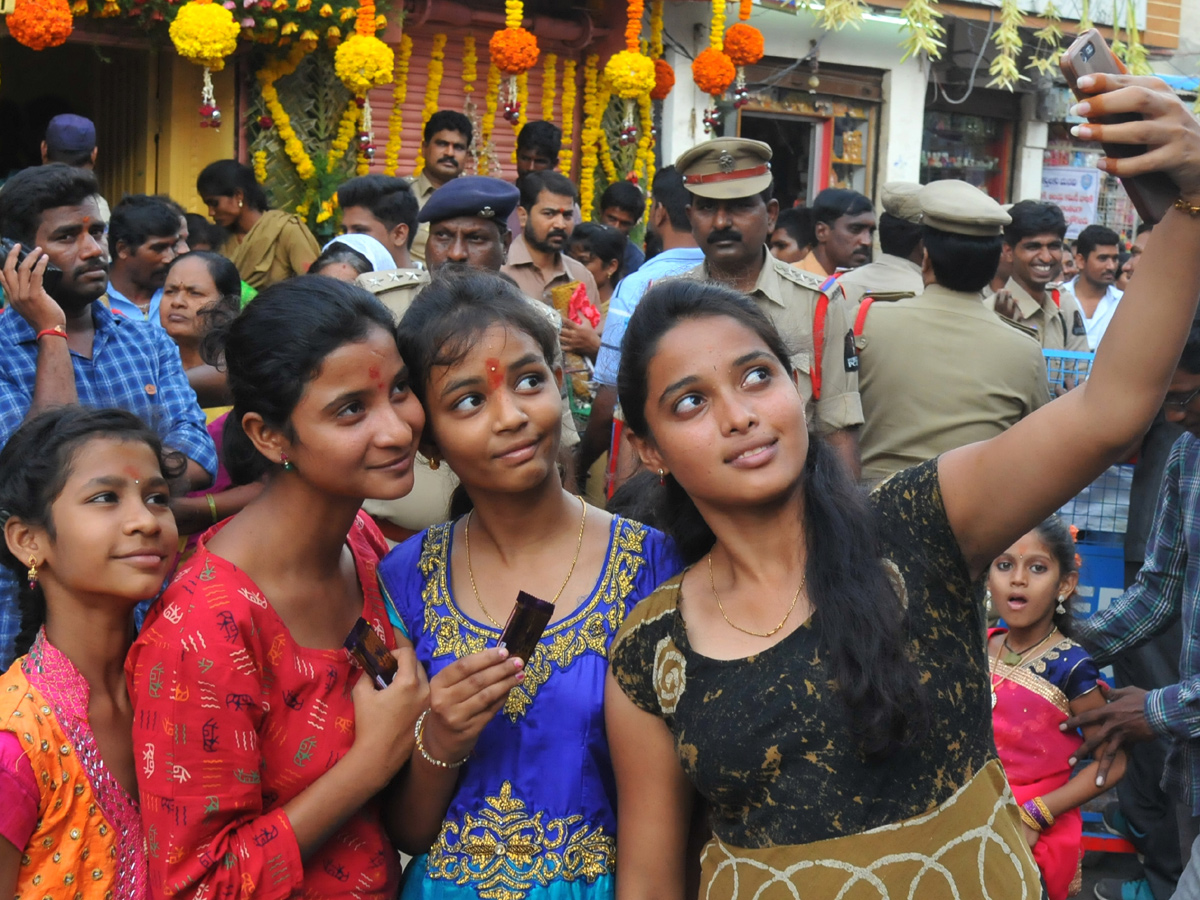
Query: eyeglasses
[(1177, 402)]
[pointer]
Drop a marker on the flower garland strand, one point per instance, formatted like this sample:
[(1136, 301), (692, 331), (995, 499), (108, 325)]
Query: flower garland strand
[(1049, 38), (606, 156), (549, 85), (433, 87), (923, 24), (515, 51), (39, 24), (204, 33), (643, 167), (267, 76), (347, 126), (712, 69), (391, 157), (1004, 69), (470, 74), (487, 162), (744, 45), (522, 102), (589, 138), (260, 166), (630, 73), (664, 75), (567, 157)]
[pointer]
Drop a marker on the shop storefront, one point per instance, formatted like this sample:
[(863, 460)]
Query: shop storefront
[(974, 146)]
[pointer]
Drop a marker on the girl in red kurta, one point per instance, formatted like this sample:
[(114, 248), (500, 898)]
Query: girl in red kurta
[(261, 752)]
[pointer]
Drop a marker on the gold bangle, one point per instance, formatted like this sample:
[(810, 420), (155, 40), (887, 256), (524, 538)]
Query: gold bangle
[(212, 507), (1045, 810), (417, 732), (1189, 208), (1029, 820)]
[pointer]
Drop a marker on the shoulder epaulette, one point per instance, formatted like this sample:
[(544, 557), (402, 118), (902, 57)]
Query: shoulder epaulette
[(805, 279), (377, 282)]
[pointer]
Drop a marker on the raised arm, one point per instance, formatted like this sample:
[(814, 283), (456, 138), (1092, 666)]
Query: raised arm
[(997, 490)]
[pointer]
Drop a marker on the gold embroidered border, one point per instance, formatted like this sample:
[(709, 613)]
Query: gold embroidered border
[(1022, 677), (588, 628), (504, 851)]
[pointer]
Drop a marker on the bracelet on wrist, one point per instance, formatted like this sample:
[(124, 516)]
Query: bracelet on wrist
[(418, 731), (1028, 820), (1191, 209), (56, 331), (1036, 811), (212, 507)]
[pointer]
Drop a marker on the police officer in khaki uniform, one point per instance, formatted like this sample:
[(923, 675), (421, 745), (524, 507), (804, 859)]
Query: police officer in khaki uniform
[(897, 271), (732, 215), (1033, 242), (939, 371)]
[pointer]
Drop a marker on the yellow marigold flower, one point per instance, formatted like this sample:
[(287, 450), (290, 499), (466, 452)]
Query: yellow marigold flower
[(325, 11), (289, 28), (348, 12)]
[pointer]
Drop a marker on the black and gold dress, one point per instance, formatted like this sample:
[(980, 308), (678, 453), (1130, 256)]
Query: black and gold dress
[(796, 812)]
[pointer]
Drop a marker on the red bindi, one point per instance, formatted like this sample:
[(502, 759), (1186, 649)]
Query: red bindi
[(494, 375)]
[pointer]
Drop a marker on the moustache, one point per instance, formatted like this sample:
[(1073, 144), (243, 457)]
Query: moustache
[(727, 234), (448, 159), (80, 271), (557, 233)]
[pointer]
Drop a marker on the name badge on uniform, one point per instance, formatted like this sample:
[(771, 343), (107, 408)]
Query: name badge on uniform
[(850, 352), (1078, 328)]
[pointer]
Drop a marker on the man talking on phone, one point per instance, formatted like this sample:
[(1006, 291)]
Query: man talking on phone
[(61, 347)]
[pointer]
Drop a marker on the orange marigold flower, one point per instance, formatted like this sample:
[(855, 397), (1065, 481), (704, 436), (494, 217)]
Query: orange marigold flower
[(664, 80), (39, 24), (744, 44), (713, 71), (514, 50)]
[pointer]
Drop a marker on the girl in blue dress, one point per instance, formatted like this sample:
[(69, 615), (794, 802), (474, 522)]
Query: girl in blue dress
[(511, 792)]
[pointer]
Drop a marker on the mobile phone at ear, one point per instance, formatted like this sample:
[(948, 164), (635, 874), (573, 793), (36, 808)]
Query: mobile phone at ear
[(1153, 193), (51, 278)]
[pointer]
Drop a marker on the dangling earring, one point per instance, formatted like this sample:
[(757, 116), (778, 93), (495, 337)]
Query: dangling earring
[(987, 595), (239, 204), (32, 574), (662, 477), (288, 465), (1061, 609), (434, 463)]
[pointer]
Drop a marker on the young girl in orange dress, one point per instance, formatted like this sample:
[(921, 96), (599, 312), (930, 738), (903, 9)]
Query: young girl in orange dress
[(87, 525), (1040, 678)]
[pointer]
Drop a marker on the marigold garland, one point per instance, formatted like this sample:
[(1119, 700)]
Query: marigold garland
[(713, 71), (1004, 69), (664, 75), (433, 87), (656, 29), (347, 126), (45, 23), (204, 33), (391, 157), (743, 44), (514, 50), (363, 61), (664, 80), (522, 104), (267, 76), (606, 157), (643, 165), (923, 24), (260, 166), (470, 65), (633, 24), (589, 138), (549, 87), (491, 101), (567, 157), (630, 74), (716, 29)]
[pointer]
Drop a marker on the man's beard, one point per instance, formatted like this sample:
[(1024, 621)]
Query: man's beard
[(545, 246)]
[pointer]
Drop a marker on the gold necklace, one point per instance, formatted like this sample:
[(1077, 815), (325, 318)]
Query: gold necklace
[(1021, 660), (570, 571), (763, 634)]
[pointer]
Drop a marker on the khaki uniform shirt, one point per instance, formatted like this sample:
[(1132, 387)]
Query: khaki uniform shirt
[(278, 246), (789, 296), (940, 371), (1058, 326), (423, 189), (887, 274), (535, 283), (428, 503)]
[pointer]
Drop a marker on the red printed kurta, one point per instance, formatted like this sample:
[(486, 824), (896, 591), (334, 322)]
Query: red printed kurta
[(232, 720)]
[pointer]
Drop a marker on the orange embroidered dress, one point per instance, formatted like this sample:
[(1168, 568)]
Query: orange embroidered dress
[(85, 841)]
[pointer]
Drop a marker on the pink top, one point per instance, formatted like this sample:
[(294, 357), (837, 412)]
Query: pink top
[(18, 787)]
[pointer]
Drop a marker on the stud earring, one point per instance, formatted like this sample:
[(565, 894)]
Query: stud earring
[(987, 595), (288, 465), (434, 463), (1061, 609), (662, 477), (32, 574), (239, 204)]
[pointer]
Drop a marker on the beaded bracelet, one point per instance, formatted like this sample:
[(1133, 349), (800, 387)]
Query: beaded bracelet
[(417, 732), (1183, 206)]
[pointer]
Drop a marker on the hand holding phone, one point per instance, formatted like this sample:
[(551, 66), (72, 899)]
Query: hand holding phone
[(525, 626), (51, 277)]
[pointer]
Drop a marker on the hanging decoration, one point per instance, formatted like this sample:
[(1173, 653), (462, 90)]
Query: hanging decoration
[(664, 75), (260, 166), (643, 165), (270, 73), (1003, 69), (522, 103), (837, 14), (39, 24), (1135, 50), (923, 24), (391, 153), (347, 126), (589, 138), (515, 51), (487, 163), (567, 157), (433, 87), (1118, 47), (549, 85), (205, 33), (363, 62), (1085, 15), (606, 156), (712, 69), (470, 73), (744, 46), (1049, 38)]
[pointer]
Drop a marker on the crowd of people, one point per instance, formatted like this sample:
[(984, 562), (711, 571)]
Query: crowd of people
[(772, 490)]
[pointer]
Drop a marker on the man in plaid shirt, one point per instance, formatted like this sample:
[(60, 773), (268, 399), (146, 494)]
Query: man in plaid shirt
[(1167, 589), (61, 347)]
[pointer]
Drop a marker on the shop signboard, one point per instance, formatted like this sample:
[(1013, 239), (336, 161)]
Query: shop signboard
[(1074, 189)]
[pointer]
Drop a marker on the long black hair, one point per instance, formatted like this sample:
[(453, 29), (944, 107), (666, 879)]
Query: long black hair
[(34, 467), (857, 615), (275, 347), (226, 176), (1056, 535)]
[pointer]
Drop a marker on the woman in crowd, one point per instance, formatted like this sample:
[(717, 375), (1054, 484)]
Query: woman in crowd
[(601, 248), (266, 245), (202, 290), (817, 675), (504, 764), (350, 255), (88, 529), (1040, 678), (261, 750)]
